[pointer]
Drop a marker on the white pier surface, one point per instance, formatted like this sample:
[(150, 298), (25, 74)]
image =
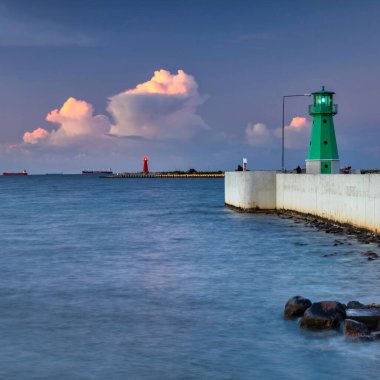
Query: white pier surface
[(345, 198)]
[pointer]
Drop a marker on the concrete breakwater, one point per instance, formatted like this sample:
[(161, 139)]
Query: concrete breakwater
[(346, 199), (168, 175)]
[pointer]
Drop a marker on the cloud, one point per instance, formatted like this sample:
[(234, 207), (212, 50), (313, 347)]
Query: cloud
[(297, 134), (35, 136), (162, 108), (74, 119), (258, 135), (157, 114), (299, 122)]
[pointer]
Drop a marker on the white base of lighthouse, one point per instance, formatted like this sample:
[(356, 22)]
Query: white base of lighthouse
[(322, 166)]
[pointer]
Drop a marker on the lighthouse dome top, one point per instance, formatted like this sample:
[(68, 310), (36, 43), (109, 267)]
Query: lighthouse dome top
[(323, 92)]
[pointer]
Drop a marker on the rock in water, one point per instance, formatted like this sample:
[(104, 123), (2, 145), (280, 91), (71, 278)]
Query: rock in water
[(323, 315), (373, 306), (296, 306), (371, 255), (354, 305), (353, 328), (370, 316)]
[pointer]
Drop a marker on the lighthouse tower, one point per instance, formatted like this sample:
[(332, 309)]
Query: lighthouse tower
[(145, 166), (323, 155)]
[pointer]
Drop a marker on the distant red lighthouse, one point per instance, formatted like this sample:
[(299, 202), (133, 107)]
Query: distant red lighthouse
[(145, 168)]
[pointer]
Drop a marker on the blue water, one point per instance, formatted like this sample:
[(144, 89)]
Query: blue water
[(156, 279)]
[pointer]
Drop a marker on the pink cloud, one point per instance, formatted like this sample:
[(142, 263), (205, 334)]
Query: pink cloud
[(165, 83), (163, 107), (299, 122), (36, 135), (74, 119), (71, 109), (297, 134)]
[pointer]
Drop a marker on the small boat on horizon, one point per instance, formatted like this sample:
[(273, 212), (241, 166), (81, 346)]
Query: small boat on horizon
[(24, 172), (97, 171)]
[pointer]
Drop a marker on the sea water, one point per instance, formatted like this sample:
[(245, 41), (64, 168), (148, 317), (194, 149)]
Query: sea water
[(156, 279)]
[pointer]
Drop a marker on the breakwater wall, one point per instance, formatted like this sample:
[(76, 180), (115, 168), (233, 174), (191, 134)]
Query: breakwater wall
[(353, 199), (167, 175), (250, 190)]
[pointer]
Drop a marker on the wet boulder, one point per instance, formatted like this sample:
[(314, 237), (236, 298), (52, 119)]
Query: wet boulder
[(323, 315), (353, 328), (373, 306), (363, 338), (355, 305), (368, 315), (296, 306)]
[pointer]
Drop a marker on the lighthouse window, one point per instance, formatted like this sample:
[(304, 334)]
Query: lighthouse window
[(326, 166), (323, 100), (325, 142), (325, 121)]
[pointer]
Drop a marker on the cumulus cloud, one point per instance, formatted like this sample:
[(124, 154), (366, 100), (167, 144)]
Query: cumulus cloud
[(35, 136), (163, 107), (74, 119), (299, 122), (258, 135), (297, 134)]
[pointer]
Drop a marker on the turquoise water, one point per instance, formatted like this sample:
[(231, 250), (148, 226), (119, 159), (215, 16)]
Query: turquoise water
[(156, 279)]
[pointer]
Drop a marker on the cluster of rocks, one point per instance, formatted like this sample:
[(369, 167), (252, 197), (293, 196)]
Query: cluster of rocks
[(368, 254), (358, 322), (332, 227)]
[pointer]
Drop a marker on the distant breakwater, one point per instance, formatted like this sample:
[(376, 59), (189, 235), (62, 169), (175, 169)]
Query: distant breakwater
[(168, 175)]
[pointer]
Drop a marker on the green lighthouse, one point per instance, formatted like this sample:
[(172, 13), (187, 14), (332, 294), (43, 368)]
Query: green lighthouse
[(323, 155)]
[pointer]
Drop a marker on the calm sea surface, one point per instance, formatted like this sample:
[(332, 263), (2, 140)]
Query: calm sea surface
[(156, 279)]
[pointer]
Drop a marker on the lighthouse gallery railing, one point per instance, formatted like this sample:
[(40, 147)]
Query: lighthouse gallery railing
[(313, 109)]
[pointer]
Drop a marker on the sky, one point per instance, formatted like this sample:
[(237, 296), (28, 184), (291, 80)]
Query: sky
[(190, 84)]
